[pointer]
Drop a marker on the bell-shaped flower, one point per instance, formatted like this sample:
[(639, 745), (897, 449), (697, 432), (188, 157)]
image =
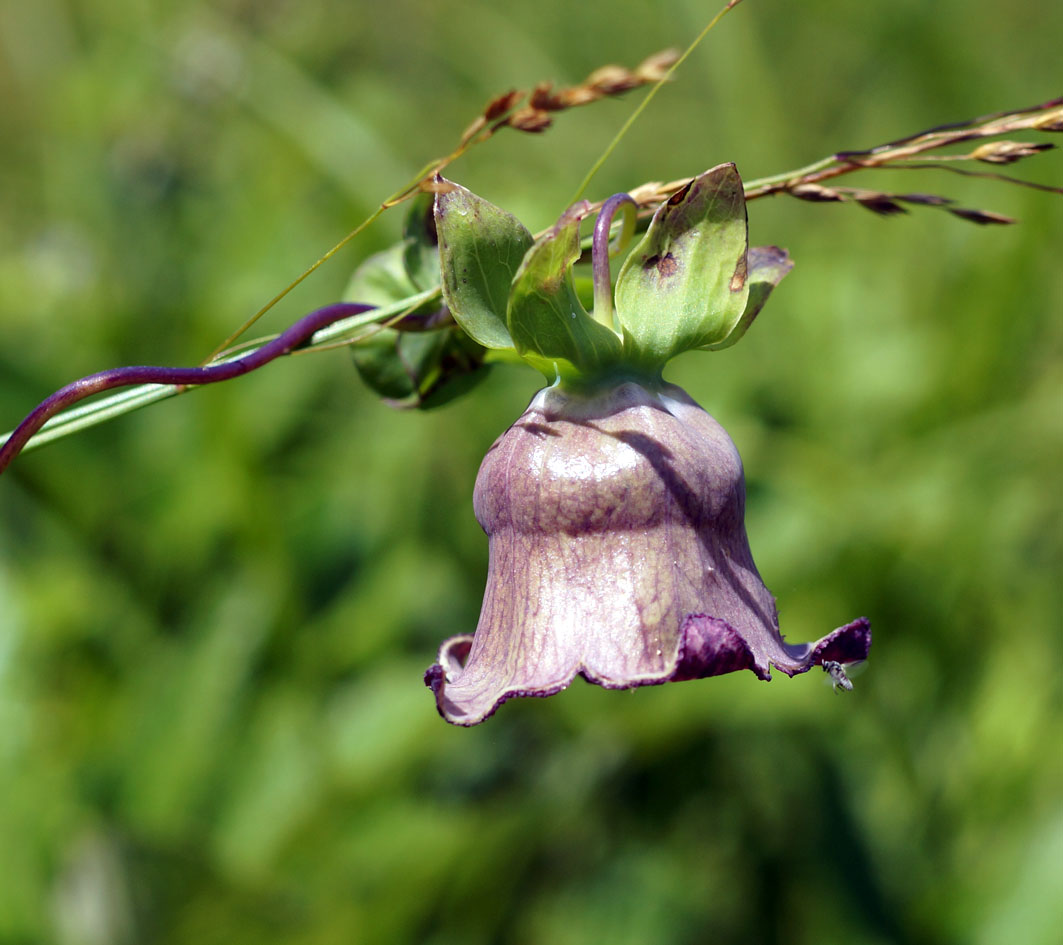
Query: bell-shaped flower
[(614, 507)]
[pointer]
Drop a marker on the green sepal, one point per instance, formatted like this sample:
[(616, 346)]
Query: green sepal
[(549, 326), (767, 267), (684, 286), (480, 250), (419, 369)]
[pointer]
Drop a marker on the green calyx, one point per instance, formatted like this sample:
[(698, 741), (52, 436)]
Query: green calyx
[(690, 283)]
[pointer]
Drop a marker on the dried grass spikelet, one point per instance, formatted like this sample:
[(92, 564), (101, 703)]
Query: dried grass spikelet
[(506, 110)]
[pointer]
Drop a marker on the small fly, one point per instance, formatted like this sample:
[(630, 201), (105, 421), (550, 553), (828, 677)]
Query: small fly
[(839, 679)]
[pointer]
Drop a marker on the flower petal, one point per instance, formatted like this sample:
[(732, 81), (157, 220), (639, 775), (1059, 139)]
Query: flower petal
[(468, 698), (710, 647), (618, 553)]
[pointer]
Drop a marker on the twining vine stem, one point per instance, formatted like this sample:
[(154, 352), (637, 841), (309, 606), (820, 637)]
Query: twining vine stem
[(348, 323)]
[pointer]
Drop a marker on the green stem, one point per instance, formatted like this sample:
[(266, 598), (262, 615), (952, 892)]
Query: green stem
[(115, 405), (762, 185)]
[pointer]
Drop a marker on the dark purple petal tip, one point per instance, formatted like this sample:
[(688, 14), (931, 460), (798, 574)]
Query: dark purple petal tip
[(848, 644), (709, 646)]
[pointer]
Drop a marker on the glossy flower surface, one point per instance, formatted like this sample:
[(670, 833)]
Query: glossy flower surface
[(618, 552)]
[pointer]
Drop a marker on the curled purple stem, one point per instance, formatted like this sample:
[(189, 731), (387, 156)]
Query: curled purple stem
[(286, 342), (603, 286)]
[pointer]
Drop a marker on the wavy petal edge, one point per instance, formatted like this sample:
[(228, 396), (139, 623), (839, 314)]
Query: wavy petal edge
[(708, 646)]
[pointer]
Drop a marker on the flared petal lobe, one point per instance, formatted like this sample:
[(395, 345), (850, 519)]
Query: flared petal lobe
[(618, 552)]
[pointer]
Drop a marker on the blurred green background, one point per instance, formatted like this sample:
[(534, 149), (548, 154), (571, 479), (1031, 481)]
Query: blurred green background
[(215, 613)]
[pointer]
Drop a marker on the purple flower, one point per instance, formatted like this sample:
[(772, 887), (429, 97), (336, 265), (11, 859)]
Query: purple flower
[(618, 552)]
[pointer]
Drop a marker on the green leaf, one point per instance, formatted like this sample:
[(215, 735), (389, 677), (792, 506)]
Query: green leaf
[(419, 369), (406, 269), (767, 267), (547, 322), (480, 249), (381, 279), (417, 363), (684, 286), (421, 243)]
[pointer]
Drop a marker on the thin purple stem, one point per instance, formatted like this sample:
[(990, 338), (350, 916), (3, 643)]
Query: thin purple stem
[(286, 342), (603, 286)]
